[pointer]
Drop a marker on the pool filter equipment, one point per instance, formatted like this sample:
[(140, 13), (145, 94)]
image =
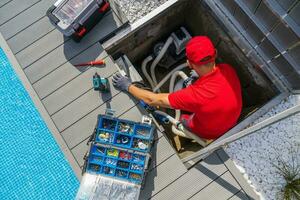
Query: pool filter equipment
[(175, 50), (165, 55), (75, 18), (180, 37)]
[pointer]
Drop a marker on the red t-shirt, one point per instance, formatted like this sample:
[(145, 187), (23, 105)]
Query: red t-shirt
[(215, 101)]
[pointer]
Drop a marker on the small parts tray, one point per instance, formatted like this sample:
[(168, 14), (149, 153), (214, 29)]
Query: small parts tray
[(124, 134), (116, 162), (120, 149)]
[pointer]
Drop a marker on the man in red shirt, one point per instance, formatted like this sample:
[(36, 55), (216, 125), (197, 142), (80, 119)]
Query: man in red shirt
[(214, 100)]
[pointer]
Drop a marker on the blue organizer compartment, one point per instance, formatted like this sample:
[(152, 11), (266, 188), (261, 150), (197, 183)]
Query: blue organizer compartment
[(117, 162), (124, 133)]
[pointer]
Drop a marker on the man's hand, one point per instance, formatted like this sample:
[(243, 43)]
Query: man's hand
[(121, 82)]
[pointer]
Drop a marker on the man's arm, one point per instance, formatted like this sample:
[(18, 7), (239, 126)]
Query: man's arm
[(123, 83), (150, 98)]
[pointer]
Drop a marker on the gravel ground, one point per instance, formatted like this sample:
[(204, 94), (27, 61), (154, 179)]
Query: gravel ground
[(135, 9), (255, 154)]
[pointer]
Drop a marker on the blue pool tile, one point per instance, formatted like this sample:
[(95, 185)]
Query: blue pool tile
[(32, 165)]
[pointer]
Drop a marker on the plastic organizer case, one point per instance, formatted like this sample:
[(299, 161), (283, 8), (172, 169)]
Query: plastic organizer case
[(119, 149), (124, 134), (117, 162)]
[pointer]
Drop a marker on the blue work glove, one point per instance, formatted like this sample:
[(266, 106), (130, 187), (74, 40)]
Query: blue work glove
[(121, 82)]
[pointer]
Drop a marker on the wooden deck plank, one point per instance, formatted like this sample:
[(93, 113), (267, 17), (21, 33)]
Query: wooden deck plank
[(75, 88), (68, 71), (63, 53), (55, 39), (79, 151), (83, 106), (40, 48), (81, 130), (24, 20), (238, 176), (13, 8), (162, 150), (196, 179), (31, 34), (134, 114), (222, 188), (161, 176), (239, 196), (3, 2), (57, 58), (203, 174)]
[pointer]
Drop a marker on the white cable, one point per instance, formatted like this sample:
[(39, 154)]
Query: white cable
[(158, 58), (144, 70)]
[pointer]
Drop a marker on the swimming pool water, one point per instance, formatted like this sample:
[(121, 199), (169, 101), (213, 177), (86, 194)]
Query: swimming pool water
[(31, 164)]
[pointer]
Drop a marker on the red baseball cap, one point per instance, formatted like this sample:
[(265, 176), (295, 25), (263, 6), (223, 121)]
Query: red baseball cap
[(198, 48)]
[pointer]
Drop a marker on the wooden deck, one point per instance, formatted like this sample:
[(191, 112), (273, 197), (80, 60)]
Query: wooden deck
[(70, 105)]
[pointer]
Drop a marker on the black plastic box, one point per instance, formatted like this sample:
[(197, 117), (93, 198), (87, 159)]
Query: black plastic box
[(75, 18)]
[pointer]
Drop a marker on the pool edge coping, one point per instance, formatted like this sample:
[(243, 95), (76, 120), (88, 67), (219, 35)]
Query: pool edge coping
[(41, 108)]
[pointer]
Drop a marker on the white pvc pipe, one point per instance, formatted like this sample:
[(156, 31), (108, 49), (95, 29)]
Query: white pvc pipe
[(174, 74), (171, 119), (181, 130), (179, 67), (177, 126), (173, 79), (191, 135), (158, 58), (144, 70), (177, 112), (178, 132)]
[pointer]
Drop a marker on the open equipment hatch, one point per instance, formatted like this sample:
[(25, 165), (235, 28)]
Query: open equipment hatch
[(264, 59)]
